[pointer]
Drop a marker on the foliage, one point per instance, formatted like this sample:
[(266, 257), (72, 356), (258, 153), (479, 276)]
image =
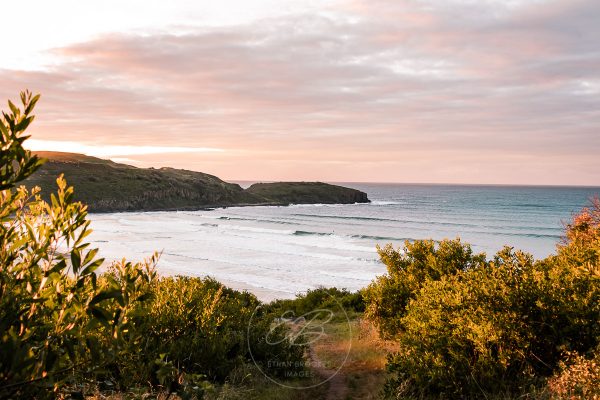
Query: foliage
[(577, 379), (16, 163), (61, 323), (494, 327), (408, 270), (195, 328), (58, 321), (320, 298)]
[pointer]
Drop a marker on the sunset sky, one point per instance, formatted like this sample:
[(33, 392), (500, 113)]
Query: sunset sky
[(452, 91)]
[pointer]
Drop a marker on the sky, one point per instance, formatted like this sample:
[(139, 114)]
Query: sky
[(447, 91)]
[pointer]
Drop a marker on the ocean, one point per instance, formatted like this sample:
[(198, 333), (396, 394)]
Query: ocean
[(277, 252)]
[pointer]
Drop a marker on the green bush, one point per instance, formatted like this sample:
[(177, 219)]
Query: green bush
[(498, 327), (333, 299), (58, 321), (201, 328), (408, 270)]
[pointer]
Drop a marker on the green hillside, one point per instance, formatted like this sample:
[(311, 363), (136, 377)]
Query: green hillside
[(106, 186), (307, 193)]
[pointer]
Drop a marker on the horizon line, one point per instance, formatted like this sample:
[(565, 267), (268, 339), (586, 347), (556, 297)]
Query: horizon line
[(427, 183)]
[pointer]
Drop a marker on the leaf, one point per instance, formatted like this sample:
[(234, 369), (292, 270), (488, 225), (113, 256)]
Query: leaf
[(92, 267), (62, 264), (109, 294), (31, 104), (75, 259), (100, 314), (21, 126), (89, 256), (13, 108)]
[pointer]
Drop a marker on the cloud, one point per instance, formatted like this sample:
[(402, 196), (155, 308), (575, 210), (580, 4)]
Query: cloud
[(429, 84), (111, 151)]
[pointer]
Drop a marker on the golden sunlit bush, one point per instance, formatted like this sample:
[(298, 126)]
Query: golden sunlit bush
[(578, 379), (408, 269), (488, 328)]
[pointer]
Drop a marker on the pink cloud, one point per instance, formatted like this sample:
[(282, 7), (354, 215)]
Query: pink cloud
[(386, 91)]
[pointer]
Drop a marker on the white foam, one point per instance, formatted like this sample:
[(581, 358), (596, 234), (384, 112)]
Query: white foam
[(385, 203), (248, 253)]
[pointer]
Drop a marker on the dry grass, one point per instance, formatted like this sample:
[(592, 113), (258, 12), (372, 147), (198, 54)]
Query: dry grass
[(364, 367)]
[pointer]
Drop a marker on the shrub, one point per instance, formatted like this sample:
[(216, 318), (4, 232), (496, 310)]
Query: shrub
[(58, 321), (198, 326), (408, 270), (333, 299), (463, 334), (496, 327), (577, 379)]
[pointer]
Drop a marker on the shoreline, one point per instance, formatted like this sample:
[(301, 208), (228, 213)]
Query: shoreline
[(217, 207)]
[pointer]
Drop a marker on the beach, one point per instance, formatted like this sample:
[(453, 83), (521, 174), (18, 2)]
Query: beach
[(277, 252)]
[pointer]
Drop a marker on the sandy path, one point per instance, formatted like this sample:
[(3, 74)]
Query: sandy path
[(338, 388)]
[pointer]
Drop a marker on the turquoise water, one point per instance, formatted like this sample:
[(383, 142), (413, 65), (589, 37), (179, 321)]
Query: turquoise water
[(277, 252), (530, 218)]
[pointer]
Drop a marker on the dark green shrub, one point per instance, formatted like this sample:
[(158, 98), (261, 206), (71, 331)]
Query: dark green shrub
[(320, 298), (200, 327)]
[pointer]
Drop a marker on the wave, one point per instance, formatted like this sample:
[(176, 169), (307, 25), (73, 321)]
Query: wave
[(344, 217), (423, 223), (531, 235), (269, 221), (256, 230), (385, 203), (532, 205), (307, 233), (373, 237), (319, 205), (376, 237)]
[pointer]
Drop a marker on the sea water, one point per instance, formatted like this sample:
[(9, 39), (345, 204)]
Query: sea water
[(277, 252)]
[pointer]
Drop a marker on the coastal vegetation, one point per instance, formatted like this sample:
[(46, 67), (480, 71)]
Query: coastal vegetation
[(443, 322), (467, 327)]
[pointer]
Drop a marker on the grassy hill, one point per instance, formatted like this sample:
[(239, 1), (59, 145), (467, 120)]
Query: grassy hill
[(106, 186), (307, 193)]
